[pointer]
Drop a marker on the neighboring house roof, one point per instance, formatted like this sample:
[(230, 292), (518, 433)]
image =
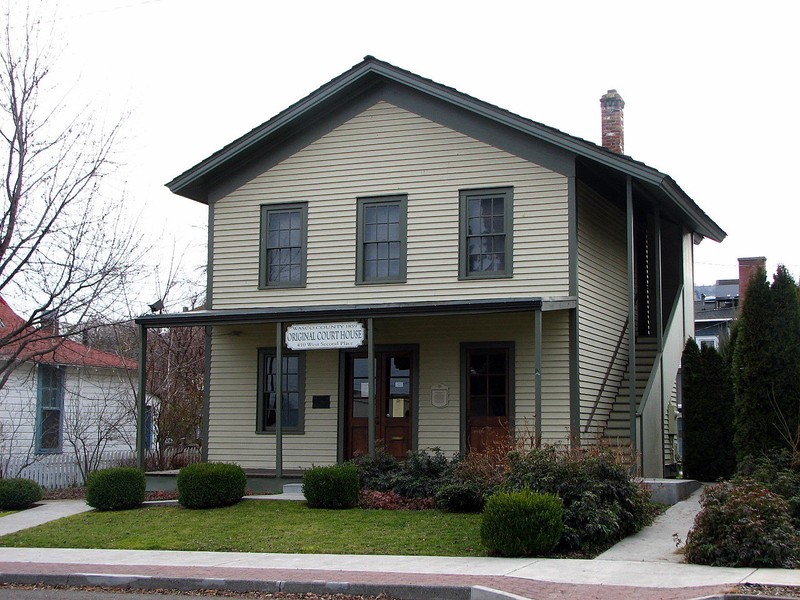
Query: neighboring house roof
[(42, 346), (370, 73)]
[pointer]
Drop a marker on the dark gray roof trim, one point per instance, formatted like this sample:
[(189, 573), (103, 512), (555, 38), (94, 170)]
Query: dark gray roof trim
[(194, 182), (401, 309)]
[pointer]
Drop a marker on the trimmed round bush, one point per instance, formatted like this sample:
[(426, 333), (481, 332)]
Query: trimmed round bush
[(743, 524), (521, 523), (463, 496), (119, 488), (335, 486), (16, 494), (210, 485)]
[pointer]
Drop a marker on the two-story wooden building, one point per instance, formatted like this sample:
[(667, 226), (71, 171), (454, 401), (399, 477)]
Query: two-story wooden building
[(412, 266)]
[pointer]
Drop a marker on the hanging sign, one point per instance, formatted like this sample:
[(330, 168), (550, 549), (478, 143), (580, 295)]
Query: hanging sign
[(318, 336)]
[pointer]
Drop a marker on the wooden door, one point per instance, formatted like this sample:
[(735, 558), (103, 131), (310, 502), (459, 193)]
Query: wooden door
[(487, 395), (393, 403)]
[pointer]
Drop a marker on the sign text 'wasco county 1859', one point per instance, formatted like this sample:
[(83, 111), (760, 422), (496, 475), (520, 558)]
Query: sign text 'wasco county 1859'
[(317, 336)]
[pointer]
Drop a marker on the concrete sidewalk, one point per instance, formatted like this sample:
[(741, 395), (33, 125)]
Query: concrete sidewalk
[(643, 566)]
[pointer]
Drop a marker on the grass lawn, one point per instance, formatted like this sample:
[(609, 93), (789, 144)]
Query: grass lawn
[(263, 526)]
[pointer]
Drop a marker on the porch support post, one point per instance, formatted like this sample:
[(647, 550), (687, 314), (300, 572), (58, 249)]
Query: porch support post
[(371, 393), (660, 328), (278, 399), (141, 398), (537, 373), (659, 284), (631, 313)]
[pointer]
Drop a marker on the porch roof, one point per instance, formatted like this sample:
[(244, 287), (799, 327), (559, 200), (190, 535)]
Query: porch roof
[(269, 314)]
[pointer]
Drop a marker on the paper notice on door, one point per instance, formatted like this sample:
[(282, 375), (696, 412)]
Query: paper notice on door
[(365, 389), (398, 408)]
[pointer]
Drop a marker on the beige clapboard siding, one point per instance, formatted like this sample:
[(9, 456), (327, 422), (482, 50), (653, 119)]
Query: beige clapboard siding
[(232, 414), (602, 309), (386, 150)]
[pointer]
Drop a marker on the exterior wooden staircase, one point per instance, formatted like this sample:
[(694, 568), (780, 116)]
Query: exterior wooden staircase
[(618, 427)]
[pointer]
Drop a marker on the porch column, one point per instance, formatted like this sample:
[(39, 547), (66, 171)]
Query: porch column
[(278, 400), (141, 398), (371, 386), (537, 373), (659, 329), (631, 313)]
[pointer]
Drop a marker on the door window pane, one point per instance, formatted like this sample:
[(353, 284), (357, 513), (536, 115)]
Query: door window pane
[(487, 383)]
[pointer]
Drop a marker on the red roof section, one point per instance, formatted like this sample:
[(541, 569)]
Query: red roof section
[(39, 345)]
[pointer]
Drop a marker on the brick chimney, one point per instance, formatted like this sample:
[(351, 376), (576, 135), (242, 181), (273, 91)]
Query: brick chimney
[(611, 105), (748, 266)]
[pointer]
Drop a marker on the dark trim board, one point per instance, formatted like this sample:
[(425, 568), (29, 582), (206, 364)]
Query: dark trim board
[(355, 311)]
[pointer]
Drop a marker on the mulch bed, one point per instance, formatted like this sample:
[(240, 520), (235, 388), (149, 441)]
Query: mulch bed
[(79, 493)]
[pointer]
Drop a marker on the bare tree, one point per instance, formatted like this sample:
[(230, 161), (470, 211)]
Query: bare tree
[(64, 250), (97, 417)]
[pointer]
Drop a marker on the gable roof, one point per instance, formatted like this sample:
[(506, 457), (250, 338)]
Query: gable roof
[(196, 181), (25, 343)]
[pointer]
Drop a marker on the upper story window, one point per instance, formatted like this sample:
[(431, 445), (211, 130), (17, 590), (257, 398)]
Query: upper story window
[(49, 409), (381, 239), (283, 245), (486, 226)]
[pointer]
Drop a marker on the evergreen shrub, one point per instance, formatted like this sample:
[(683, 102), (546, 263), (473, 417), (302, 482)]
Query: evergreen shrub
[(778, 473), (118, 488), (708, 454), (743, 524), (602, 503), (521, 523), (210, 485), (335, 486), (460, 496), (418, 476), (17, 494)]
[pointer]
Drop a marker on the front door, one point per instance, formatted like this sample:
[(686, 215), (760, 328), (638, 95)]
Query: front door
[(394, 382), (487, 397)]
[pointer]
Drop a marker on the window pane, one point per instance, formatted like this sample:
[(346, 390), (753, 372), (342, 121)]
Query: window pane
[(496, 406), (51, 428), (477, 406), (284, 246), (292, 398)]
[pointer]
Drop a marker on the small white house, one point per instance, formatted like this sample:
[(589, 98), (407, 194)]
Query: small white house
[(65, 408)]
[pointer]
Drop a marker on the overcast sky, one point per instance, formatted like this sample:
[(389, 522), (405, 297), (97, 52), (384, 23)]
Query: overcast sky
[(711, 88)]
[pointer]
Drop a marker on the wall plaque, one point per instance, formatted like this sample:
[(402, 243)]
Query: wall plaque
[(439, 395)]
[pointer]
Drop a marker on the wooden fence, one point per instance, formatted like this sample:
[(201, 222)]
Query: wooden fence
[(61, 470)]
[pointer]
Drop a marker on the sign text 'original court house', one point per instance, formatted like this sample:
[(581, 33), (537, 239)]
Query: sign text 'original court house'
[(318, 336)]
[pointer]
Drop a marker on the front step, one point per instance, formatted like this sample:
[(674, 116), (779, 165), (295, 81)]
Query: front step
[(293, 488)]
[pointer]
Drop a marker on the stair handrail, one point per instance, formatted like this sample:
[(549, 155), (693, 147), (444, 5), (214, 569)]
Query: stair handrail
[(677, 303), (606, 377)]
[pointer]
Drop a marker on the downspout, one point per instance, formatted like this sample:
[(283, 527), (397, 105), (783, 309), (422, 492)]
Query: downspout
[(631, 314), (140, 400), (537, 351), (279, 400), (371, 388)]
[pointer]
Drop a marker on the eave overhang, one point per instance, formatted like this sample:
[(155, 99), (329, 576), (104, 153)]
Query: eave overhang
[(202, 318), (195, 182)]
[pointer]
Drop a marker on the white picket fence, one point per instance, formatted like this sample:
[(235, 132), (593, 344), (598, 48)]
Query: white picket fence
[(61, 470)]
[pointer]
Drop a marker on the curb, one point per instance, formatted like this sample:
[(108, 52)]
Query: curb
[(144, 582)]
